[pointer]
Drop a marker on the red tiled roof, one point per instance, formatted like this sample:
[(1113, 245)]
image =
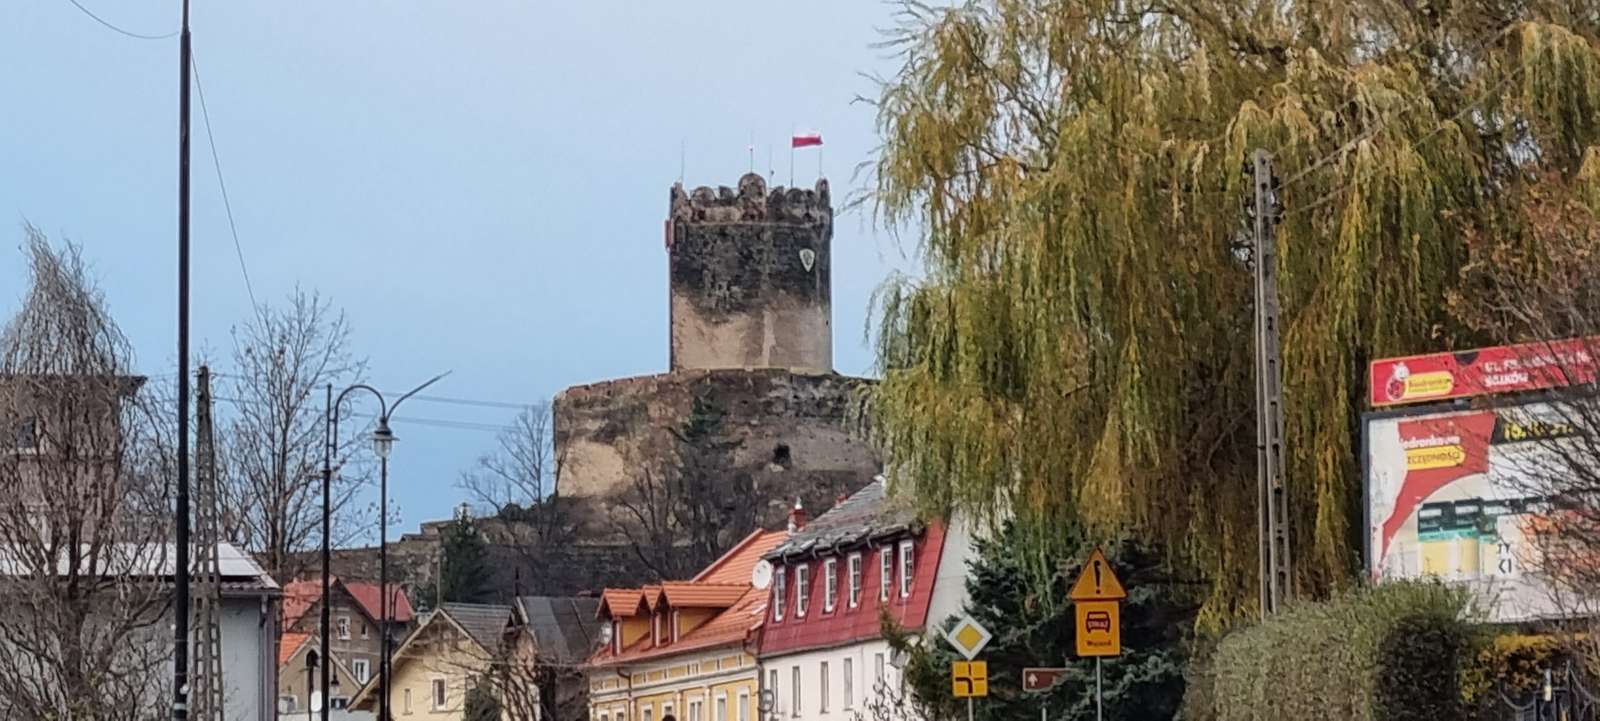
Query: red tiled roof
[(289, 644), (298, 597), (368, 596), (724, 584), (301, 594), (822, 629)]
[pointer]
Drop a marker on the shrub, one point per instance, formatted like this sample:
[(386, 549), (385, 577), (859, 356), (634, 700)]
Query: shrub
[(1390, 653)]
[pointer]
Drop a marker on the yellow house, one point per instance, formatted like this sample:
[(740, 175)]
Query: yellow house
[(440, 662), (683, 649)]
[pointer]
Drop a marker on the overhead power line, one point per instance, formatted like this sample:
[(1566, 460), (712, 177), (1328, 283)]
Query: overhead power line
[(227, 205), (131, 34), (416, 420)]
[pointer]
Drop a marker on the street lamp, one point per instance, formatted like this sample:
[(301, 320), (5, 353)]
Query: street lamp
[(311, 670), (382, 444)]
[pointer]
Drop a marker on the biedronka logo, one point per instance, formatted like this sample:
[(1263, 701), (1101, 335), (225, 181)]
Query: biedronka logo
[(1404, 385), (1433, 452)]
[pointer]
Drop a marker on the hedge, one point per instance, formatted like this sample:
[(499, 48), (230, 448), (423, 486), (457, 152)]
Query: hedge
[(1395, 652)]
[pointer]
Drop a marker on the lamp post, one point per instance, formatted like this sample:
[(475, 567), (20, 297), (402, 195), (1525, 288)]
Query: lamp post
[(382, 443), (311, 671)]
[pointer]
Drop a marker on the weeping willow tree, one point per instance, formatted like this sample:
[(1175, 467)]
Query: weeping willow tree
[(1078, 343)]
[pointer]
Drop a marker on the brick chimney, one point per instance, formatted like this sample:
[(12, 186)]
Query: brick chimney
[(797, 517)]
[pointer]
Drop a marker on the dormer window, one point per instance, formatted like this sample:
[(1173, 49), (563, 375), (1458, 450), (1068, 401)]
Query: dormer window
[(616, 636), (802, 589), (885, 572), (780, 597), (907, 566), (830, 584), (854, 567), (655, 628)]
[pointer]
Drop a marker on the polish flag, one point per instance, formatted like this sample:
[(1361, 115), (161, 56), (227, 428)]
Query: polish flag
[(806, 139)]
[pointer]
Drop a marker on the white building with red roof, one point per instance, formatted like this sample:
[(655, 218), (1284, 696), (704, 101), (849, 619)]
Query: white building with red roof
[(822, 651)]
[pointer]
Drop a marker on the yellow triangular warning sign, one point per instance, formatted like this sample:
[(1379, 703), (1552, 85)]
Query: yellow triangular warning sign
[(1097, 582)]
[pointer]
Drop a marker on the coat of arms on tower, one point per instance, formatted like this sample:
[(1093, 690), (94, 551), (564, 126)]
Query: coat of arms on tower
[(808, 258)]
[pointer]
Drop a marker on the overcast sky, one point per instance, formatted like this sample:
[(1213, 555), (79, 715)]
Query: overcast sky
[(480, 184)]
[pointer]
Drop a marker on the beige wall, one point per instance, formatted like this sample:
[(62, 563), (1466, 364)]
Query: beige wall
[(292, 680), (673, 684), (452, 663)]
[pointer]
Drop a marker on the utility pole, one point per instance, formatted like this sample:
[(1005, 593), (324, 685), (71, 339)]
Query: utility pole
[(206, 678), (180, 591), (1276, 578)]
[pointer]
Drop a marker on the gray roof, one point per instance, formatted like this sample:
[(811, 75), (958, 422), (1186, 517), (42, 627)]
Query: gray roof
[(564, 628), (868, 514), (485, 623)]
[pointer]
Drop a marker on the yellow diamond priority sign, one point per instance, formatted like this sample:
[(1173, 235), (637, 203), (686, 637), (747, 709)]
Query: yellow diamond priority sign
[(968, 637)]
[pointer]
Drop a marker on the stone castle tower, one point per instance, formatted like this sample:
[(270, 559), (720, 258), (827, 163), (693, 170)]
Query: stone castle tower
[(750, 281), (751, 368)]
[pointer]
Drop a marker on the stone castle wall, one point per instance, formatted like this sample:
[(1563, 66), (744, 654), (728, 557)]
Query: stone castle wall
[(794, 434)]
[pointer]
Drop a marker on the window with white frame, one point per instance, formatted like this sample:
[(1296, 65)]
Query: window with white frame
[(772, 686), (830, 584), (361, 668), (780, 597), (877, 662), (722, 707), (854, 568), (744, 706), (907, 566), (697, 710), (343, 628), (648, 714), (822, 684), (885, 572), (364, 630), (439, 696), (666, 711), (848, 667), (603, 716), (802, 589), (794, 692)]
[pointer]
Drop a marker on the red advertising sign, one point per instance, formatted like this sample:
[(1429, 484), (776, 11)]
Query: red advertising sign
[(1501, 369)]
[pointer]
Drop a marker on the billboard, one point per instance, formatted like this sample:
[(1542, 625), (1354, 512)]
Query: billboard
[(1500, 369), (1460, 495)]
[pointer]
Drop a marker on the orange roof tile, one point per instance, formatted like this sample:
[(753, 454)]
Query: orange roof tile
[(619, 602), (736, 564), (682, 594), (724, 584), (289, 644)]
